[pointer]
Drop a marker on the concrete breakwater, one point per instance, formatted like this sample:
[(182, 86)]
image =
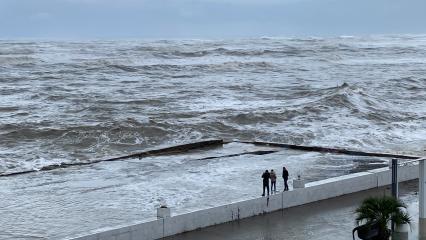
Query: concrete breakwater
[(153, 152), (177, 149), (314, 191)]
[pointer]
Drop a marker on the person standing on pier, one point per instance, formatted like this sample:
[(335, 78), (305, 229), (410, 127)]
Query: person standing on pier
[(285, 177), (266, 176), (273, 181)]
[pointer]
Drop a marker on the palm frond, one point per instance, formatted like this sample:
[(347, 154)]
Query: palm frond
[(382, 210), (401, 217)]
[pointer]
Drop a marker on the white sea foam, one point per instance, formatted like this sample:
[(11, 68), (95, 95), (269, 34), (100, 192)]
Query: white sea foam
[(79, 101)]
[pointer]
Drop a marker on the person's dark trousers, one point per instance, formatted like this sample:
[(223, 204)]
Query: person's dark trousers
[(285, 184), (265, 185), (273, 186)]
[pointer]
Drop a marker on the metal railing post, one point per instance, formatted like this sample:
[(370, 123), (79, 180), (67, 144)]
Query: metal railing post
[(394, 185), (395, 178), (422, 199)]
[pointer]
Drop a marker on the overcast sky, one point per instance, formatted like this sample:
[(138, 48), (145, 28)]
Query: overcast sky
[(208, 18)]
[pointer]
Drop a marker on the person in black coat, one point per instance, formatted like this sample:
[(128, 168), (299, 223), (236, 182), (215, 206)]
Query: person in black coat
[(266, 176), (285, 177)]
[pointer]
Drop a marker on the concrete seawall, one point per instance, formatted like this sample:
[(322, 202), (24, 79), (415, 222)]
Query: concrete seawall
[(313, 191)]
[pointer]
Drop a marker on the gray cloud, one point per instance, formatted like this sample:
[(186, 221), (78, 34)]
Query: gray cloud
[(207, 18)]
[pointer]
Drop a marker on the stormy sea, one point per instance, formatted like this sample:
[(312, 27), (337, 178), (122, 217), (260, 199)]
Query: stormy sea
[(81, 101)]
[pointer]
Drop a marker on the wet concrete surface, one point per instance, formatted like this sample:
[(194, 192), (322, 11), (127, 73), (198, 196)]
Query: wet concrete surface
[(328, 219), (76, 200)]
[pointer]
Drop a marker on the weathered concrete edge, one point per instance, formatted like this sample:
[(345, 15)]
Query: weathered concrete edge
[(331, 150), (313, 192), (182, 148)]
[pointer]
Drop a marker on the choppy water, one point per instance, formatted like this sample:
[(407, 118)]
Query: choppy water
[(72, 201), (63, 101)]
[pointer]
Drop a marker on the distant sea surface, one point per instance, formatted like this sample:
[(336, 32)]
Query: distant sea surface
[(73, 101)]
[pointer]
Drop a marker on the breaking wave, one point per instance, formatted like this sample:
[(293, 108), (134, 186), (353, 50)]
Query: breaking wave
[(79, 101)]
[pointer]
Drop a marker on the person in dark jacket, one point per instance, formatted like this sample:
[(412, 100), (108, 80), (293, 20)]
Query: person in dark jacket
[(266, 176), (285, 177), (273, 177)]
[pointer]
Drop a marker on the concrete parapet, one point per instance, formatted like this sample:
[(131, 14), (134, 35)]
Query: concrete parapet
[(405, 173), (145, 230), (314, 191), (199, 219), (298, 183)]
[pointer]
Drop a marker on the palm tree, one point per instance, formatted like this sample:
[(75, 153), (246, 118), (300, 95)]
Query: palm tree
[(380, 211)]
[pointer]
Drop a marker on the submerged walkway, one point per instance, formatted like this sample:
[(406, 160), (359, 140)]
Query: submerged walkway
[(325, 220)]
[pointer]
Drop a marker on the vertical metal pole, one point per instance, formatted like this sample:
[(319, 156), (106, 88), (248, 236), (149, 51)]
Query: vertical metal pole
[(394, 185), (422, 199), (395, 178)]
